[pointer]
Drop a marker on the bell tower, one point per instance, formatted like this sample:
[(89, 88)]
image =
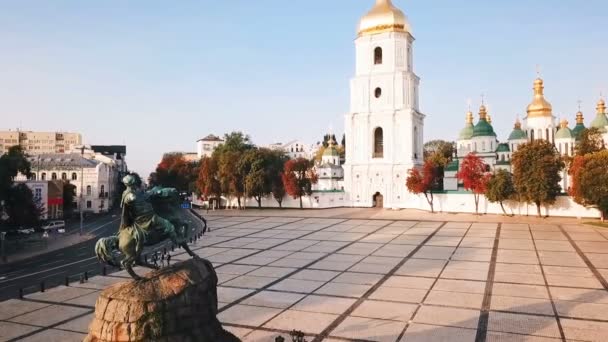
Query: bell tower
[(384, 129)]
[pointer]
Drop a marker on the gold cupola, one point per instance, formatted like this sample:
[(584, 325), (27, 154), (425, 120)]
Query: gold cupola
[(383, 17), (539, 106), (601, 106), (469, 119), (579, 118)]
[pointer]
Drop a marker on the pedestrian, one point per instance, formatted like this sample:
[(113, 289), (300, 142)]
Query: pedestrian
[(168, 259)]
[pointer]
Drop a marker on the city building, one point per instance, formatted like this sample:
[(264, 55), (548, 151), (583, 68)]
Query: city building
[(34, 143), (385, 127), (206, 145), (295, 149), (329, 171), (49, 195)]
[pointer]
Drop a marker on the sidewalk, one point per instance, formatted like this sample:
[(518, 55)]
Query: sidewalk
[(401, 214)]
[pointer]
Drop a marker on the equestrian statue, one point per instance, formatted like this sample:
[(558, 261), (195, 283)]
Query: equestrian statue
[(148, 218)]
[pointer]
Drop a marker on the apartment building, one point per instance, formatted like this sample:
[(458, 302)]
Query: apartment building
[(35, 143)]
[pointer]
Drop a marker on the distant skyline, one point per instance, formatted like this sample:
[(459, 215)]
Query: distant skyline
[(158, 75)]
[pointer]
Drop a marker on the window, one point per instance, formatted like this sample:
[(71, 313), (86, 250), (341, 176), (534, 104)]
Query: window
[(88, 190), (43, 176), (378, 143), (378, 55), (53, 176), (532, 135), (33, 176), (483, 145), (89, 205), (38, 194), (74, 176), (103, 190), (378, 92), (64, 176)]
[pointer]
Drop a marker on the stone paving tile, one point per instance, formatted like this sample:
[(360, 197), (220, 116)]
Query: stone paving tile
[(297, 285), (55, 335), (371, 268), (80, 324), (324, 304), (579, 295), (421, 268), (522, 305), (251, 282), (228, 294), (398, 294), (582, 310), (462, 300), (275, 272), (523, 324), (571, 281), (273, 299), (517, 256), (315, 275), (390, 250), (308, 322), (236, 331), (357, 278), (472, 254), (520, 290), (433, 252), (10, 330), (598, 260), (585, 330), (409, 282), (61, 293), (50, 315), (424, 332), (522, 278), (506, 337), (465, 286), (15, 307), (385, 310), (369, 329), (247, 315), (464, 318), (343, 289)]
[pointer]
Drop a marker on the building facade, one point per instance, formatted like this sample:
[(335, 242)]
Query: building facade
[(34, 143), (206, 145), (295, 149), (385, 128)]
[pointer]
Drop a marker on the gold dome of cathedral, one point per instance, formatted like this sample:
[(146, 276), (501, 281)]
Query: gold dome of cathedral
[(383, 17), (539, 106)]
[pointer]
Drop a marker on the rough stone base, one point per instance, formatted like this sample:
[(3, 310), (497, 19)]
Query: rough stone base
[(177, 303)]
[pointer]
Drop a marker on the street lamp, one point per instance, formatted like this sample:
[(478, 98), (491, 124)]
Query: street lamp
[(81, 188)]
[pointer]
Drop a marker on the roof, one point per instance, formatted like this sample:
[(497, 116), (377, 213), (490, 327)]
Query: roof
[(564, 133), (329, 166), (503, 147), (110, 150), (61, 160), (518, 134), (331, 151), (576, 131), (600, 122), (483, 129), (467, 132), (452, 166), (211, 137)]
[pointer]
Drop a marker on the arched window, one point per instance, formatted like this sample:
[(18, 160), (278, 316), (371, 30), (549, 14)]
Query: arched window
[(103, 190), (74, 176), (378, 55), (502, 157), (64, 176), (88, 190), (43, 176), (53, 176), (378, 143), (532, 135), (33, 177), (378, 92), (548, 136), (483, 146), (416, 142)]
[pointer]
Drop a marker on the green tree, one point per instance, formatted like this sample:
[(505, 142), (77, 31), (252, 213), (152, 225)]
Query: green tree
[(500, 188), (234, 142), (262, 168), (590, 141), (12, 163), (536, 173), (69, 192), (21, 207), (590, 181), (439, 150)]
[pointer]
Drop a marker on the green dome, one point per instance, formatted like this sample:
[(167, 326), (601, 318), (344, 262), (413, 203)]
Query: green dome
[(576, 131), (564, 133), (483, 129), (517, 134), (331, 151), (467, 132), (600, 122), (503, 148)]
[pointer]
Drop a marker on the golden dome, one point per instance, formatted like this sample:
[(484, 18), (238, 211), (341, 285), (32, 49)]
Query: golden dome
[(579, 117), (383, 17), (601, 106), (517, 124), (539, 106), (469, 117), (489, 118), (483, 113), (563, 123)]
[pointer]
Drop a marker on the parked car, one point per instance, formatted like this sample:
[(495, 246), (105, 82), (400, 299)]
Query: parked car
[(26, 231), (54, 225), (61, 230)]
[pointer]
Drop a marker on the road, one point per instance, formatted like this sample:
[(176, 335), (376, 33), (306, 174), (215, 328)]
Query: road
[(52, 268)]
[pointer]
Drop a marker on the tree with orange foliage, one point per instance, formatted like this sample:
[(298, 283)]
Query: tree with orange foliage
[(174, 171), (474, 176), (423, 181), (208, 184), (590, 181), (298, 177)]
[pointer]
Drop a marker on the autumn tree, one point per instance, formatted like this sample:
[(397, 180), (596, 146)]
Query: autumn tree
[(298, 177), (590, 141), (439, 150), (536, 173), (424, 181), (174, 171), (500, 188), (474, 176), (589, 175), (207, 183)]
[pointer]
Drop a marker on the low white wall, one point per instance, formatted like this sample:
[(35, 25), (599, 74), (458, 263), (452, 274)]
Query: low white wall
[(465, 203), (317, 200)]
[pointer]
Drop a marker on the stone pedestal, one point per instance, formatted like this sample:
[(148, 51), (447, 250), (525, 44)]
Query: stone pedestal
[(177, 303)]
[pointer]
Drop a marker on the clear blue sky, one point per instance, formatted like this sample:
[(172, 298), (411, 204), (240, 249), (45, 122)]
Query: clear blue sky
[(157, 75)]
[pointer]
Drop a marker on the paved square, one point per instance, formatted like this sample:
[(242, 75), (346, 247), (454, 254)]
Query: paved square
[(375, 280)]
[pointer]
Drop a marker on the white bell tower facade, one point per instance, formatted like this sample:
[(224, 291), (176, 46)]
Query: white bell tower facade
[(384, 129)]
